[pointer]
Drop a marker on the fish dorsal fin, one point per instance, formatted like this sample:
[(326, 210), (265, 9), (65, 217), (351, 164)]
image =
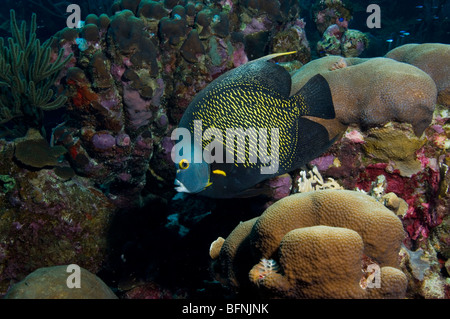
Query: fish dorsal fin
[(259, 72)]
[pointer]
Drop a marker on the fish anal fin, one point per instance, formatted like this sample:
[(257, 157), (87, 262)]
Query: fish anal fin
[(334, 127)]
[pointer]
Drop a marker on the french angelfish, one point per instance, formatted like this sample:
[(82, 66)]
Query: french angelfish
[(254, 95)]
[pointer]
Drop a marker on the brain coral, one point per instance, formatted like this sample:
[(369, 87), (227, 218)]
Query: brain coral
[(51, 283), (315, 245), (372, 92), (433, 59)]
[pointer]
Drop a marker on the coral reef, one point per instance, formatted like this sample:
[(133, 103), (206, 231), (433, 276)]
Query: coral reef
[(350, 43), (417, 174), (299, 238), (51, 283), (354, 42), (430, 58), (126, 76), (331, 12)]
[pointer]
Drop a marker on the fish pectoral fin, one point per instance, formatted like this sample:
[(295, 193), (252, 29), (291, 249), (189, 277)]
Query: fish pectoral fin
[(219, 172), (209, 184)]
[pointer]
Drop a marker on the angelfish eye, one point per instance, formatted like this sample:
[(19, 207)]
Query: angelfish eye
[(184, 164)]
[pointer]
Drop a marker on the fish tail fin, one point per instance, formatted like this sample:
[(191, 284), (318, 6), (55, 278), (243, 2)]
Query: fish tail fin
[(315, 98)]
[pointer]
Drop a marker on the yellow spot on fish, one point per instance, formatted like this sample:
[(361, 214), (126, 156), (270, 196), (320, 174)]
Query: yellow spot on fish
[(219, 172)]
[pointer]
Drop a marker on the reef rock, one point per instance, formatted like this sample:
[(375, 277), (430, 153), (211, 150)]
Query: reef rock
[(48, 217)]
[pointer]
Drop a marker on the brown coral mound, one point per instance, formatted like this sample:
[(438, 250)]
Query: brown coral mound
[(373, 92), (433, 58), (312, 245)]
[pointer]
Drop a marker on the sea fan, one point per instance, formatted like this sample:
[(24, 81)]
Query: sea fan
[(263, 269)]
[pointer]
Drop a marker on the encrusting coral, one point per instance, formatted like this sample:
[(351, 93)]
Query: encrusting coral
[(315, 245), (27, 74), (390, 144)]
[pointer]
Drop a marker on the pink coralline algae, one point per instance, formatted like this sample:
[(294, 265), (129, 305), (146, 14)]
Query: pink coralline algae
[(103, 141), (239, 56), (256, 25), (355, 137), (138, 109), (323, 162)]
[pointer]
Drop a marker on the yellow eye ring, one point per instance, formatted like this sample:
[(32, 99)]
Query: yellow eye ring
[(184, 164)]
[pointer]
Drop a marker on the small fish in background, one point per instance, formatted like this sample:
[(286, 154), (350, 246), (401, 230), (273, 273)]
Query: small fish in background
[(254, 95)]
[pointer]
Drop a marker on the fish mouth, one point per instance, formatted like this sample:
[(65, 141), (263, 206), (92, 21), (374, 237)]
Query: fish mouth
[(180, 187)]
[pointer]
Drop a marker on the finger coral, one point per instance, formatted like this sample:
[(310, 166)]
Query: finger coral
[(373, 92), (431, 58), (315, 245)]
